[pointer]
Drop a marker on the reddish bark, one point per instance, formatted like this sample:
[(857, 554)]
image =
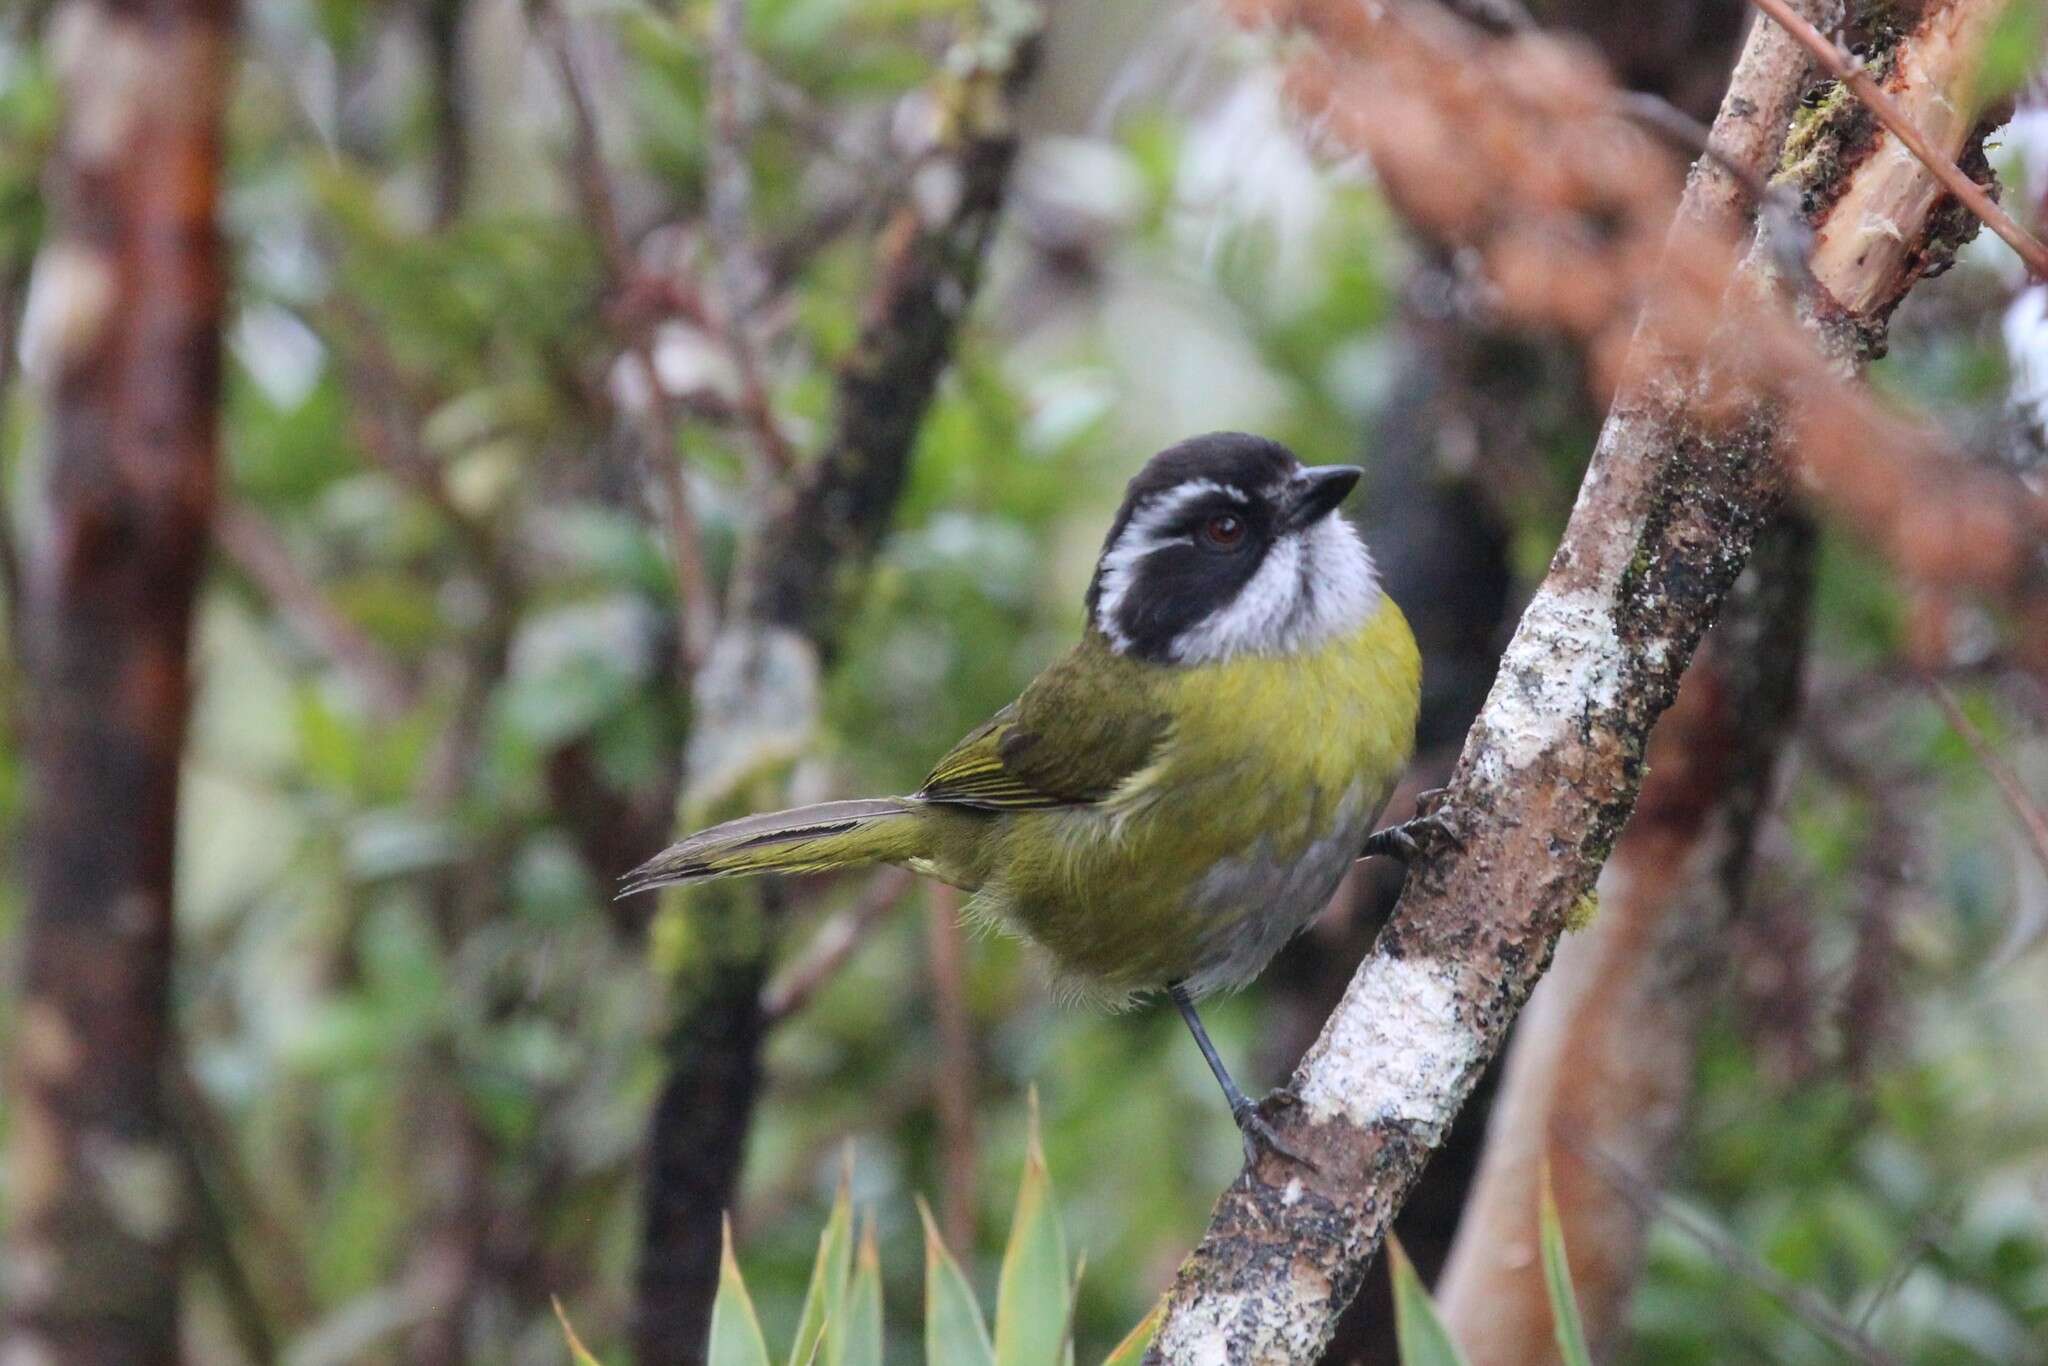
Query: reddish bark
[(126, 339)]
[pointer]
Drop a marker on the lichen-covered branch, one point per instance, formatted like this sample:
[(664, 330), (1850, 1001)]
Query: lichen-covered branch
[(124, 336), (1602, 1061), (1683, 478), (757, 694)]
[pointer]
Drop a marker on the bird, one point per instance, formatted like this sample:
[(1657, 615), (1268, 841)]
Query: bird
[(1170, 802)]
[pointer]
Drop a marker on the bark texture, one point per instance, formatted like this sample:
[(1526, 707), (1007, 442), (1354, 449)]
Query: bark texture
[(1477, 408), (1673, 499), (1600, 1072), (124, 335), (757, 695)]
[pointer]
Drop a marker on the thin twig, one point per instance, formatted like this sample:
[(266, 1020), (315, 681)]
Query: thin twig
[(2030, 815), (1779, 223), (212, 1225), (261, 553), (1845, 68), (953, 1083), (12, 287), (1651, 110), (1802, 1303), (658, 420), (832, 946), (731, 198), (386, 413), (1925, 1239)]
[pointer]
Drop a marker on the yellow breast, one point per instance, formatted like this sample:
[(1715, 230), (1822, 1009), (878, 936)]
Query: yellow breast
[(1323, 718), (1204, 863)]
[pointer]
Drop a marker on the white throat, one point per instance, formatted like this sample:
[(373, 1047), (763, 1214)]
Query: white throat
[(1313, 585)]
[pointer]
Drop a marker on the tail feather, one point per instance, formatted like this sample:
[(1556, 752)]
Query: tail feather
[(807, 839)]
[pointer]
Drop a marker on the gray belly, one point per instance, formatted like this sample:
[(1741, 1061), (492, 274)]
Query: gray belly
[(1250, 905)]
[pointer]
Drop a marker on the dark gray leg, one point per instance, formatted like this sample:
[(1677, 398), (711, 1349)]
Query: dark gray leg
[(1257, 1132)]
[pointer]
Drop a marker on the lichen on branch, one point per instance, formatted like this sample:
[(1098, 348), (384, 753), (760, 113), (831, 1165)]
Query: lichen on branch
[(1688, 469)]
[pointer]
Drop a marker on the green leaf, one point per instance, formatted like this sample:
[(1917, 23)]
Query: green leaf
[(1033, 1297), (1423, 1339), (1073, 1295), (735, 1333), (2012, 52), (818, 1326), (1131, 1350), (578, 1353), (861, 1344), (1557, 1278), (954, 1334)]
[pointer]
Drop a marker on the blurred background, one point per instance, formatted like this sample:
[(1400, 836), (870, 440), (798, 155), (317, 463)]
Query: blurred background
[(534, 311)]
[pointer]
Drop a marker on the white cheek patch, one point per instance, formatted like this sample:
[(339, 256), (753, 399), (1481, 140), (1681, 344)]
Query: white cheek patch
[(1143, 534), (1314, 584)]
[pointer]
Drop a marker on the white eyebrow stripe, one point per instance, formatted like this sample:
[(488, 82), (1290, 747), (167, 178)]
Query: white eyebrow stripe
[(1142, 535)]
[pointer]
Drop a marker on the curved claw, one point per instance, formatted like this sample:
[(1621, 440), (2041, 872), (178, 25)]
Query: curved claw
[(1259, 1133), (1415, 838)]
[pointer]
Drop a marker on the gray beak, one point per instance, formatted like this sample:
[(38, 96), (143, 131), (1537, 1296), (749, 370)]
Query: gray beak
[(1316, 493)]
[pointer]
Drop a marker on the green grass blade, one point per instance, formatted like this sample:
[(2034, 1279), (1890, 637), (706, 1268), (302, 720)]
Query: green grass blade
[(1423, 1339), (1131, 1350), (1557, 1278), (818, 1335), (954, 1334), (861, 1343), (1034, 1295), (579, 1355), (1073, 1307), (735, 1332)]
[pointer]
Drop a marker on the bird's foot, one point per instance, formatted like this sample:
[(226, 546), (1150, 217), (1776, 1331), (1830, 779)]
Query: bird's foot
[(1431, 828), (1260, 1135)]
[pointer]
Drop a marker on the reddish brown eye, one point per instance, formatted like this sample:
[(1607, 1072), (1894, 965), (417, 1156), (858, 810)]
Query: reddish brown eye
[(1224, 531)]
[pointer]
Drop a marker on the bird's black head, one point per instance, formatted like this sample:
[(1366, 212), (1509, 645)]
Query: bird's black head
[(1225, 544)]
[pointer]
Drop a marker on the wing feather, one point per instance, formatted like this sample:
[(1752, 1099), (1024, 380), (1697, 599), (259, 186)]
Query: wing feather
[(1081, 728)]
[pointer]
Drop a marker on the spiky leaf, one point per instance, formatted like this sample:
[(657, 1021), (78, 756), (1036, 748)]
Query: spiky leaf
[(1131, 1350), (1034, 1294), (579, 1355), (818, 1332), (1423, 1339), (735, 1332), (954, 1334), (861, 1343), (1557, 1278)]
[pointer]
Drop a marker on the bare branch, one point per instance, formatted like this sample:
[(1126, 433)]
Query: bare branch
[(256, 548), (953, 1078), (659, 418), (1604, 1055), (761, 678), (731, 196), (2024, 808), (1802, 1303), (1958, 115), (1686, 472), (835, 942)]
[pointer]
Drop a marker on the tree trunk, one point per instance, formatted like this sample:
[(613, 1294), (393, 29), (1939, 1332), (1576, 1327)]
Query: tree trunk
[(125, 336), (1600, 1073), (757, 695)]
